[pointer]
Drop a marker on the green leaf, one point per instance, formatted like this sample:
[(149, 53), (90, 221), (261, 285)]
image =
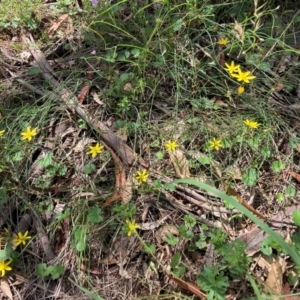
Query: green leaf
[(170, 187), (159, 155), (290, 191), (204, 160), (265, 151), (265, 247), (149, 248), (80, 246), (33, 71), (201, 244), (89, 168), (172, 240), (94, 215), (41, 270), (189, 221), (278, 166), (63, 215), (80, 238), (56, 271), (177, 25), (218, 238), (280, 197), (179, 271), (214, 282), (184, 232), (4, 255), (250, 177), (46, 161), (175, 260), (3, 195), (296, 217), (18, 156), (135, 52)]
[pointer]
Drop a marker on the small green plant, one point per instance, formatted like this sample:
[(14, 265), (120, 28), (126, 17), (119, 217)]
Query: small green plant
[(214, 282), (235, 258), (52, 272), (250, 177)]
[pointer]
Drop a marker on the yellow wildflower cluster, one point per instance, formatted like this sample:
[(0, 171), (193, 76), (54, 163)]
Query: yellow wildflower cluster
[(223, 41), (251, 124), (20, 239), (215, 144), (171, 145), (131, 227), (236, 72), (142, 176), (94, 150), (28, 134)]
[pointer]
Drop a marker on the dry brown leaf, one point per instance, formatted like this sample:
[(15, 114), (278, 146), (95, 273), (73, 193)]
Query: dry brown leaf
[(56, 25), (4, 285), (238, 31), (276, 270), (234, 172), (176, 130), (286, 290), (180, 164), (127, 87), (122, 272), (96, 98), (293, 174)]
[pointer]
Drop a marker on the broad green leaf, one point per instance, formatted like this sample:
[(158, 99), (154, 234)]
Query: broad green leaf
[(149, 248), (278, 166), (175, 260), (250, 177), (296, 217), (172, 240), (94, 215), (33, 71), (3, 195), (89, 168)]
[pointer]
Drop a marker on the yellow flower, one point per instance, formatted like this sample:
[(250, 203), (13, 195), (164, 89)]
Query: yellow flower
[(243, 76), (240, 90), (142, 176), (29, 133), (4, 266), (94, 150), (232, 68), (171, 145), (215, 144), (21, 239), (223, 41), (131, 227), (2, 132), (252, 124)]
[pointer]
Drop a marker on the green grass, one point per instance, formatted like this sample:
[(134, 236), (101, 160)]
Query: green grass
[(159, 75)]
